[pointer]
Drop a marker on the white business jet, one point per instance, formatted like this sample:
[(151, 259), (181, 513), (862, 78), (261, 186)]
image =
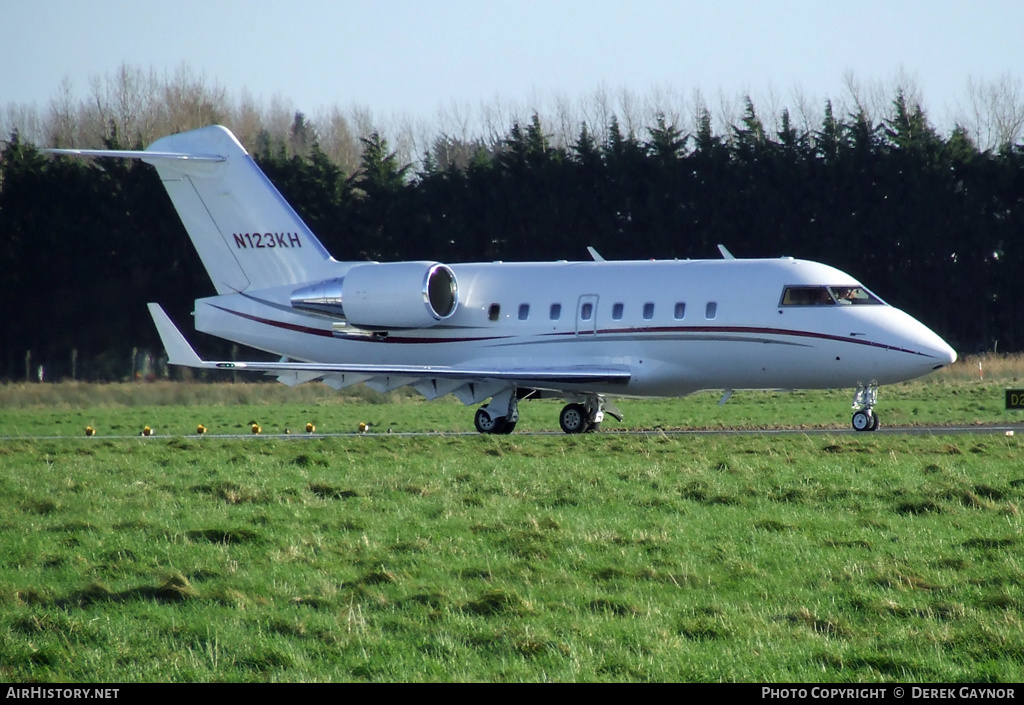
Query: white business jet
[(501, 331)]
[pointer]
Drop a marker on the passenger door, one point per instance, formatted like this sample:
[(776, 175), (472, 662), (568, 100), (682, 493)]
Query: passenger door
[(586, 315)]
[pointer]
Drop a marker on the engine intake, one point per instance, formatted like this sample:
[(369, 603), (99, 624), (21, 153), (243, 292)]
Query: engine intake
[(385, 296)]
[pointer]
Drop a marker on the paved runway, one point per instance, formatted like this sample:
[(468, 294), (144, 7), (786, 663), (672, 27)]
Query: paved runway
[(993, 429)]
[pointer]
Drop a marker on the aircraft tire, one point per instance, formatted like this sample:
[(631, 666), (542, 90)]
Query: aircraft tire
[(874, 421), (485, 424), (862, 420), (573, 418)]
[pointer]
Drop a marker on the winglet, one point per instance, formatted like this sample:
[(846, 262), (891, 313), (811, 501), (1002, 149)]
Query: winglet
[(179, 352)]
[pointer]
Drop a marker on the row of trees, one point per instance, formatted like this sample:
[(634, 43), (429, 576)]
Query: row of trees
[(930, 222), (142, 105)]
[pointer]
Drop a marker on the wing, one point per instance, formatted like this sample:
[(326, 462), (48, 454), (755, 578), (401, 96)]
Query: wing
[(470, 384)]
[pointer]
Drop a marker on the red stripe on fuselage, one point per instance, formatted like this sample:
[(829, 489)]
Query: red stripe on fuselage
[(753, 330), (682, 330)]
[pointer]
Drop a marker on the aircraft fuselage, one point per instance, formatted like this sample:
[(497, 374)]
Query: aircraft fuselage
[(680, 326)]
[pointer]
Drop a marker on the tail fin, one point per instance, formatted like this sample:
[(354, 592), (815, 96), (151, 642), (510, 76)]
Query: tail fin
[(247, 235)]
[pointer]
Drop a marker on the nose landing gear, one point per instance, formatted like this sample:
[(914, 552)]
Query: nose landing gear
[(864, 416)]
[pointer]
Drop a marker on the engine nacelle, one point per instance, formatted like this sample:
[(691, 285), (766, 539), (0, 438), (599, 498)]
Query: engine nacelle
[(385, 296)]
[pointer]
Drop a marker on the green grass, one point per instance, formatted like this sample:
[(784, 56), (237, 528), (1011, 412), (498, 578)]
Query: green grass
[(826, 558), (481, 558)]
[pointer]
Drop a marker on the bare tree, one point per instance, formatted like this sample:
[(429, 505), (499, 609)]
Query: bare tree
[(192, 101), (597, 113), (277, 120), (666, 103), (859, 96), (62, 116), (905, 84), (875, 99), (247, 120), (362, 118), (629, 112), (402, 130), (337, 140), (132, 97), (808, 116), (994, 116), (696, 106), (567, 120), (94, 114), (728, 114), (498, 116), (24, 119)]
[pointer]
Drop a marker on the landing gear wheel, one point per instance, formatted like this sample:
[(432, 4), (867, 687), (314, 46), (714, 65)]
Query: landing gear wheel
[(574, 418), (485, 424), (864, 420), (864, 399)]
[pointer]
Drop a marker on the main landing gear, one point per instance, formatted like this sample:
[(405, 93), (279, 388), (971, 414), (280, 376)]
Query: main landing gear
[(586, 414), (583, 414), (864, 416), (500, 416)]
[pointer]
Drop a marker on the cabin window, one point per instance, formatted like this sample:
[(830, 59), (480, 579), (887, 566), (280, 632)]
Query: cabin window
[(711, 310), (524, 311), (648, 311), (494, 312), (586, 311), (617, 312), (556, 312), (680, 311)]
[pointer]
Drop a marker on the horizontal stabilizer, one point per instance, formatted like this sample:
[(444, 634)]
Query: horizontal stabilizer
[(179, 352), (136, 154)]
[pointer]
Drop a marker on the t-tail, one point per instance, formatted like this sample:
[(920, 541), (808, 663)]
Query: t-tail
[(247, 235)]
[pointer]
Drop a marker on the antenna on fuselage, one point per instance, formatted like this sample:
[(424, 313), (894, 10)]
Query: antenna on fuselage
[(725, 253)]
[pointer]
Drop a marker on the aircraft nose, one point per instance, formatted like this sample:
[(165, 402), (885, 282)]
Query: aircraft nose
[(945, 353), (935, 347), (930, 350)]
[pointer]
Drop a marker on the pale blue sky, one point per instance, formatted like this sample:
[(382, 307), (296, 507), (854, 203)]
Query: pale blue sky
[(410, 57)]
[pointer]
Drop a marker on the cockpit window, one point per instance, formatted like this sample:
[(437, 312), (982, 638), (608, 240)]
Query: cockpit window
[(807, 296), (828, 296), (854, 295)]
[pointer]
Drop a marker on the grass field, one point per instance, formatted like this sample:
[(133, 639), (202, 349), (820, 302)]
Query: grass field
[(825, 558)]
